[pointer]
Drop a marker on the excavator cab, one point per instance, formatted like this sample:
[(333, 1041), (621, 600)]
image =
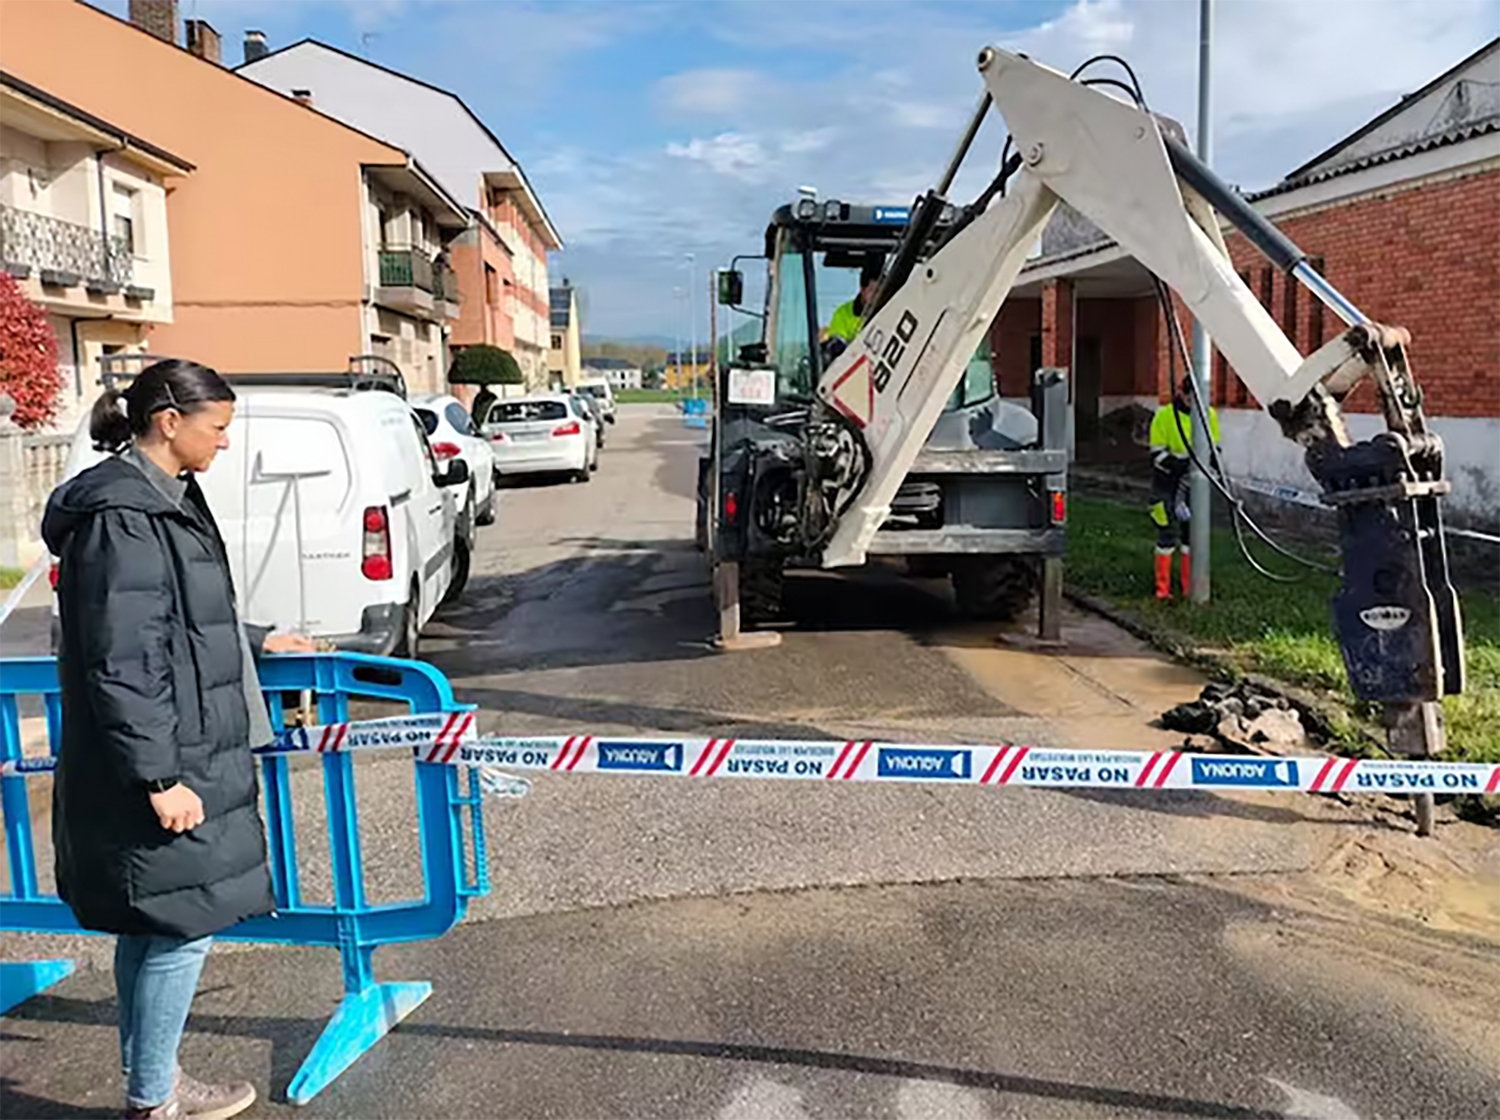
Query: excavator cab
[(985, 502)]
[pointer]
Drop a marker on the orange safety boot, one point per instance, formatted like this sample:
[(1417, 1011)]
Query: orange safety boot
[(1163, 574), (1187, 572)]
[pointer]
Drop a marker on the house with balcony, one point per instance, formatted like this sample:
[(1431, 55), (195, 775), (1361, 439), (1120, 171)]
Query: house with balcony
[(83, 229), (500, 261), (298, 241)]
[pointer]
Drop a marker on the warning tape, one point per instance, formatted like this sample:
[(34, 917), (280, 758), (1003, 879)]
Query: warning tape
[(1005, 765), (449, 738)]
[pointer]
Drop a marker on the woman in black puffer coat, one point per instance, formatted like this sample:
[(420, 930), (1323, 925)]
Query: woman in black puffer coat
[(155, 820)]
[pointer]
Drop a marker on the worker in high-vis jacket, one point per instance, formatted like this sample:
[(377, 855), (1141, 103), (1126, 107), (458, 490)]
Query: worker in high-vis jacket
[(849, 317), (1171, 442)]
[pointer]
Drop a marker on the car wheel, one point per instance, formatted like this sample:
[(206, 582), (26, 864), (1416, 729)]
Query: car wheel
[(411, 625), (487, 511), (462, 561)]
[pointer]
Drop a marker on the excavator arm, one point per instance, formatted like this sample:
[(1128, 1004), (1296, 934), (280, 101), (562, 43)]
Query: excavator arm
[(1123, 169)]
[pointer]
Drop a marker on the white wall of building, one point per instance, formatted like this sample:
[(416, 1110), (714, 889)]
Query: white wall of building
[(1254, 449)]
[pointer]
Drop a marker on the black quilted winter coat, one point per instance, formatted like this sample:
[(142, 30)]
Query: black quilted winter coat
[(152, 672)]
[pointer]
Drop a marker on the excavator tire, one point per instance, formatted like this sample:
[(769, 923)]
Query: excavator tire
[(761, 583), (995, 587)]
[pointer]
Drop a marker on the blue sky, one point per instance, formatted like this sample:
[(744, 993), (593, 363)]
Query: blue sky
[(652, 130)]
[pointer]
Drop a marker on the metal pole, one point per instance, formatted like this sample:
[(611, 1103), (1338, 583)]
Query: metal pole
[(1201, 496), (692, 324)]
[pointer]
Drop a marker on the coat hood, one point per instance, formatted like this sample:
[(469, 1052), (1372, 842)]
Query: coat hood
[(112, 484)]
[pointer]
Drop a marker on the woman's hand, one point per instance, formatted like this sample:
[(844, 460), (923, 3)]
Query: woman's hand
[(179, 809), (289, 643)]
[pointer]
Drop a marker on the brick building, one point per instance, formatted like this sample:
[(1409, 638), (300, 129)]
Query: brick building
[(1402, 216)]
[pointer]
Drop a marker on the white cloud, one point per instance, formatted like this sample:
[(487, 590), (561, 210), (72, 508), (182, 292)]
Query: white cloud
[(728, 153)]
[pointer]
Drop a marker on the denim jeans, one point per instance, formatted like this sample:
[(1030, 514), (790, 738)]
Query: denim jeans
[(155, 979)]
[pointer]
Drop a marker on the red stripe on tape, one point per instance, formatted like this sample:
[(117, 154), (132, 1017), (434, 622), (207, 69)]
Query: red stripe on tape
[(1494, 781), (338, 740), (1021, 753), (1161, 778), (323, 738), (1317, 783), (860, 757), (1338, 783), (447, 727), (562, 754), (582, 749), (994, 765), (723, 754), (458, 737), (1145, 774), (839, 761), (702, 758)]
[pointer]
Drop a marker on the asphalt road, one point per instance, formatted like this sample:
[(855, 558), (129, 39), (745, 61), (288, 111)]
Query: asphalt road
[(784, 950)]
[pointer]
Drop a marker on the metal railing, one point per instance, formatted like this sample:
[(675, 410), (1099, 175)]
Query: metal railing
[(406, 268), (53, 245), (445, 282)]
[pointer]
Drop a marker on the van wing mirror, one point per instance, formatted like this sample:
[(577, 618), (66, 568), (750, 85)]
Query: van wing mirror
[(731, 287), (456, 473)]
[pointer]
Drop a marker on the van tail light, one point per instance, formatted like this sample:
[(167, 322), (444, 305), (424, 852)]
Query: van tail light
[(568, 429), (376, 561), (446, 450), (1059, 506), (52, 573), (497, 437), (731, 507)]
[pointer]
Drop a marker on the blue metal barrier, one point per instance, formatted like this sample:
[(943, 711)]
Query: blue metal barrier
[(695, 412), (350, 924)]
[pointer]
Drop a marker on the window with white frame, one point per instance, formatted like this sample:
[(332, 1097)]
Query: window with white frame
[(124, 222)]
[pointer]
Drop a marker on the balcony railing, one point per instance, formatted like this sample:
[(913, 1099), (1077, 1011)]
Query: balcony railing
[(64, 253), (445, 282), (406, 268)]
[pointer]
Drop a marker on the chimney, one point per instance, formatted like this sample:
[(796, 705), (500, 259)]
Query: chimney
[(159, 17), (205, 42), (302, 97), (255, 45)]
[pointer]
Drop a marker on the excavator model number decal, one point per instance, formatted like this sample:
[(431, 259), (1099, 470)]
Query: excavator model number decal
[(895, 349)]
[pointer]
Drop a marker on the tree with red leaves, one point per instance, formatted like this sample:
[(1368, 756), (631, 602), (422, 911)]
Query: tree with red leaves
[(28, 357)]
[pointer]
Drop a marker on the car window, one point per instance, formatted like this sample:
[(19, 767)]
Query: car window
[(521, 412), (454, 413), (426, 447), (428, 418)]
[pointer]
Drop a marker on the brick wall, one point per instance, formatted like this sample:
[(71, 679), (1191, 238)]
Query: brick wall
[(1019, 321), (1426, 258)]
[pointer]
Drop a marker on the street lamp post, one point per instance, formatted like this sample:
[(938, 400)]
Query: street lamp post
[(1200, 496), (691, 260)]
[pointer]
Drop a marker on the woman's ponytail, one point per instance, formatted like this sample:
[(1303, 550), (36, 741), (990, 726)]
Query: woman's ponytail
[(186, 386), (109, 426)]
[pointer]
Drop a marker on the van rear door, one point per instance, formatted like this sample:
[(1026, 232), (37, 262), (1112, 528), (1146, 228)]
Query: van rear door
[(301, 533)]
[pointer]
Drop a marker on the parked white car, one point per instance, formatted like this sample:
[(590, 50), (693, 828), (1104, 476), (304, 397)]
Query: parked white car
[(453, 435), (548, 433), (602, 391), (338, 519)]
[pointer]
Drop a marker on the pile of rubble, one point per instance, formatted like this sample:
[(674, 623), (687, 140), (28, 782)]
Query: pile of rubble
[(1243, 717)]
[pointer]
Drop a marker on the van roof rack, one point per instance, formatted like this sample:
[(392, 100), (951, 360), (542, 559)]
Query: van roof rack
[(365, 372)]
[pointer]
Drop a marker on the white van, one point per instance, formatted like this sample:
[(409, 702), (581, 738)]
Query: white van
[(346, 479), (602, 391)]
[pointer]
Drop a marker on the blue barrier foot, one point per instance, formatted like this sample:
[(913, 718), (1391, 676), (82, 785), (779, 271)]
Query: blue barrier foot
[(20, 980), (361, 1021)]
